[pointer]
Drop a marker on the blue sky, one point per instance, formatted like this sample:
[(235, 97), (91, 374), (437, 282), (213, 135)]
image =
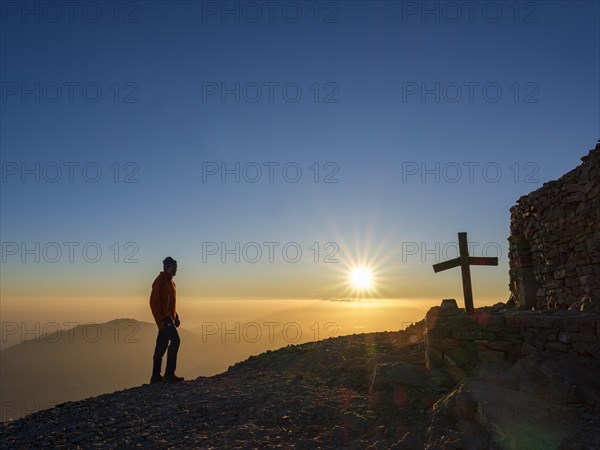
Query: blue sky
[(371, 61)]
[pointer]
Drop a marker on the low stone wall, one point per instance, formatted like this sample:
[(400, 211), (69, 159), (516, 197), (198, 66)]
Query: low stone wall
[(488, 336)]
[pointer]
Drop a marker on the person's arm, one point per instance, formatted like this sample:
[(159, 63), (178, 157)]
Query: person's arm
[(164, 307), (158, 304), (155, 305)]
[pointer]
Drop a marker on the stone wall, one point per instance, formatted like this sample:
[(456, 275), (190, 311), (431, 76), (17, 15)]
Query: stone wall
[(554, 244), (457, 339)]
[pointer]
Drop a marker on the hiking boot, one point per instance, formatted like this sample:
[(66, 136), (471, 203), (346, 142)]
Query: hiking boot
[(156, 379), (172, 378)]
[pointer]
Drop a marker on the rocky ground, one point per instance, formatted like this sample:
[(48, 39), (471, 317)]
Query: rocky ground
[(368, 391)]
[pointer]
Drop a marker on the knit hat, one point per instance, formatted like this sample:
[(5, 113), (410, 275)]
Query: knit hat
[(168, 262)]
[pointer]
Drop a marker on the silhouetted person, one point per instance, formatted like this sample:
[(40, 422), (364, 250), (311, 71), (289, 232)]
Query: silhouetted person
[(162, 304)]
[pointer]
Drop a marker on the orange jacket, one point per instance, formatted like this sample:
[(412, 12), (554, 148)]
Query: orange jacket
[(162, 298)]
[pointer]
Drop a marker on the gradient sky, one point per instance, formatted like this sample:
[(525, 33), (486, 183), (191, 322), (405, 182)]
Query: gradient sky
[(365, 58)]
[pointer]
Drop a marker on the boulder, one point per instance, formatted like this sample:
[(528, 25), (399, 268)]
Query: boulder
[(387, 377)]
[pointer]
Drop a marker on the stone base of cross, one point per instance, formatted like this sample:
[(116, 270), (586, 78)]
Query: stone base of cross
[(465, 261)]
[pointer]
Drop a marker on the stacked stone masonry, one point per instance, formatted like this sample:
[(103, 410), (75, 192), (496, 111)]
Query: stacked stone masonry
[(554, 243), (456, 338)]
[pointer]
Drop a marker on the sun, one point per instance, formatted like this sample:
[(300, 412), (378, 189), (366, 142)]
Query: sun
[(361, 278)]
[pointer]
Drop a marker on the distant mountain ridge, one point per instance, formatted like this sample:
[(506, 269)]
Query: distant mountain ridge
[(90, 359)]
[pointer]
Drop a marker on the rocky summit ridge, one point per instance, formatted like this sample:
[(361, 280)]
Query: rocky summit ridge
[(362, 391)]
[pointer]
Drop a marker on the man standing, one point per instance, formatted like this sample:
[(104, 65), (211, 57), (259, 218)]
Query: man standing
[(162, 304)]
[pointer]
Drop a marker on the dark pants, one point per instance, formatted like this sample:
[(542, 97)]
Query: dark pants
[(169, 333)]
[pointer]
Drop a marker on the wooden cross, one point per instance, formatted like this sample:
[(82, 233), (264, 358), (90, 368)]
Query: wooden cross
[(464, 261)]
